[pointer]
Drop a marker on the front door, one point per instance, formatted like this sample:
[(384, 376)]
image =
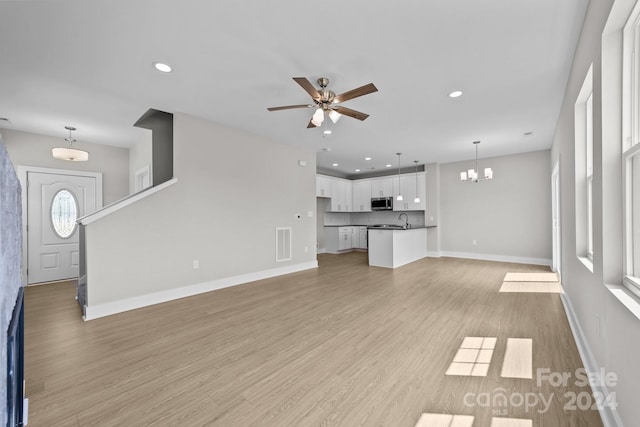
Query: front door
[(54, 202)]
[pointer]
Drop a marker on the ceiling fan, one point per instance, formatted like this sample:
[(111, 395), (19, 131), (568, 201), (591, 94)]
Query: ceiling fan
[(325, 101)]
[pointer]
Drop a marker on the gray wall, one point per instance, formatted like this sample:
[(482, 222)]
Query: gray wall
[(140, 155), (611, 332), (29, 149), (233, 190), (161, 126), (509, 216)]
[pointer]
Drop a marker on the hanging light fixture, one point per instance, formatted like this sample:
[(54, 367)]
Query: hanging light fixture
[(399, 182), (69, 153), (318, 117), (472, 174), (417, 199), (334, 116)]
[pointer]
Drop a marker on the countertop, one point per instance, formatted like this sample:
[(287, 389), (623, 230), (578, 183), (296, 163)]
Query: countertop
[(370, 227)]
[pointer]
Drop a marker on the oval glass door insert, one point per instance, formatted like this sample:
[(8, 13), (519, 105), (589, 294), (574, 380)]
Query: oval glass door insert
[(64, 213)]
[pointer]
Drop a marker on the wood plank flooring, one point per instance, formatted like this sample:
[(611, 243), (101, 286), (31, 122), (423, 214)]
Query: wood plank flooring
[(343, 345)]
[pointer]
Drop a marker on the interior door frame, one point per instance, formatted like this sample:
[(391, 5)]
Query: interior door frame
[(23, 172), (556, 220)]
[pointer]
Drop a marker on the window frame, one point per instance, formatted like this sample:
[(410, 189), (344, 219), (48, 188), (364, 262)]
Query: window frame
[(630, 144), (589, 171), (583, 143)]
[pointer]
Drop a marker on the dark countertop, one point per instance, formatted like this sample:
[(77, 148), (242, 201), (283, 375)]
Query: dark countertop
[(370, 227), (348, 225), (411, 227)]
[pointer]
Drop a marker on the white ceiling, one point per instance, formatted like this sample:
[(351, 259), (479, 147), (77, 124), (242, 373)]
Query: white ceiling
[(88, 64)]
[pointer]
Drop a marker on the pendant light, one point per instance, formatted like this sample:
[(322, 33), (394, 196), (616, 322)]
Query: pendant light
[(472, 174), (417, 199), (399, 198), (69, 153)]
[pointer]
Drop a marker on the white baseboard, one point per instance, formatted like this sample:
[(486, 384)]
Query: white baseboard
[(107, 309), (433, 254), (609, 415), (499, 258)]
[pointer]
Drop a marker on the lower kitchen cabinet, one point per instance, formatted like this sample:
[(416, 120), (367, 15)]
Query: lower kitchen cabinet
[(346, 238), (359, 237)]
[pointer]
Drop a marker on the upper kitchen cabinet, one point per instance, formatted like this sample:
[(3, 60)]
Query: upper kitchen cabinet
[(381, 187), (341, 195), (323, 186), (362, 195), (409, 188)]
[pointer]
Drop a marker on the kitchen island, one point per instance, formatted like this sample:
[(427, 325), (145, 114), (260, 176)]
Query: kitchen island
[(394, 247)]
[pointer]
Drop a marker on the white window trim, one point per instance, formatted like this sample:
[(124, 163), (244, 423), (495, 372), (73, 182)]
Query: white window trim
[(630, 141), (630, 281), (583, 118)]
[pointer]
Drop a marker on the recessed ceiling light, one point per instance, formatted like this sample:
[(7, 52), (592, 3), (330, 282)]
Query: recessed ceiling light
[(455, 94), (161, 66), (388, 166), (335, 164), (367, 158), (357, 170), (326, 149), (327, 132)]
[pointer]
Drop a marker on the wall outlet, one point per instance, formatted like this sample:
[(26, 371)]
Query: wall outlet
[(306, 249), (196, 264), (310, 214), (474, 242)]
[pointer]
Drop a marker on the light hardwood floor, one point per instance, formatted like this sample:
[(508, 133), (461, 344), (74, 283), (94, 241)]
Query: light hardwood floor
[(343, 345)]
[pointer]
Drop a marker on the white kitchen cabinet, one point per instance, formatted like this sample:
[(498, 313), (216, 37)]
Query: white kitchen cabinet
[(345, 236), (381, 187), (323, 186), (359, 240), (406, 185), (341, 195), (338, 239), (362, 195)]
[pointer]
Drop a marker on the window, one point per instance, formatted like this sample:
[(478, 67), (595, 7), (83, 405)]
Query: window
[(589, 173), (64, 213), (631, 151), (583, 116)]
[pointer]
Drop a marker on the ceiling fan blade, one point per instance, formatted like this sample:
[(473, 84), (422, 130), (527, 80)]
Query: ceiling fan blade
[(349, 112), (311, 125), (289, 107), (354, 93), (306, 85)]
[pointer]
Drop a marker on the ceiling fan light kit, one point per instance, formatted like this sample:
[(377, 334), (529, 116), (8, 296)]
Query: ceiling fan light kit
[(325, 101), (472, 174)]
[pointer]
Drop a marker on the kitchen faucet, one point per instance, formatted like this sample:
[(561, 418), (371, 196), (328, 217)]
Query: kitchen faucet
[(406, 224)]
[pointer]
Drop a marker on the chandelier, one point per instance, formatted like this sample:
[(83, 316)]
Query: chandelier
[(472, 174)]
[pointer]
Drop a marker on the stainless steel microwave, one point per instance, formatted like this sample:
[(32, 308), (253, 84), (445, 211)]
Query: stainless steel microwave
[(382, 204)]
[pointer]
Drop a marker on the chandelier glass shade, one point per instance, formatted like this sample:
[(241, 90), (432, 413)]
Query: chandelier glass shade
[(69, 153)]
